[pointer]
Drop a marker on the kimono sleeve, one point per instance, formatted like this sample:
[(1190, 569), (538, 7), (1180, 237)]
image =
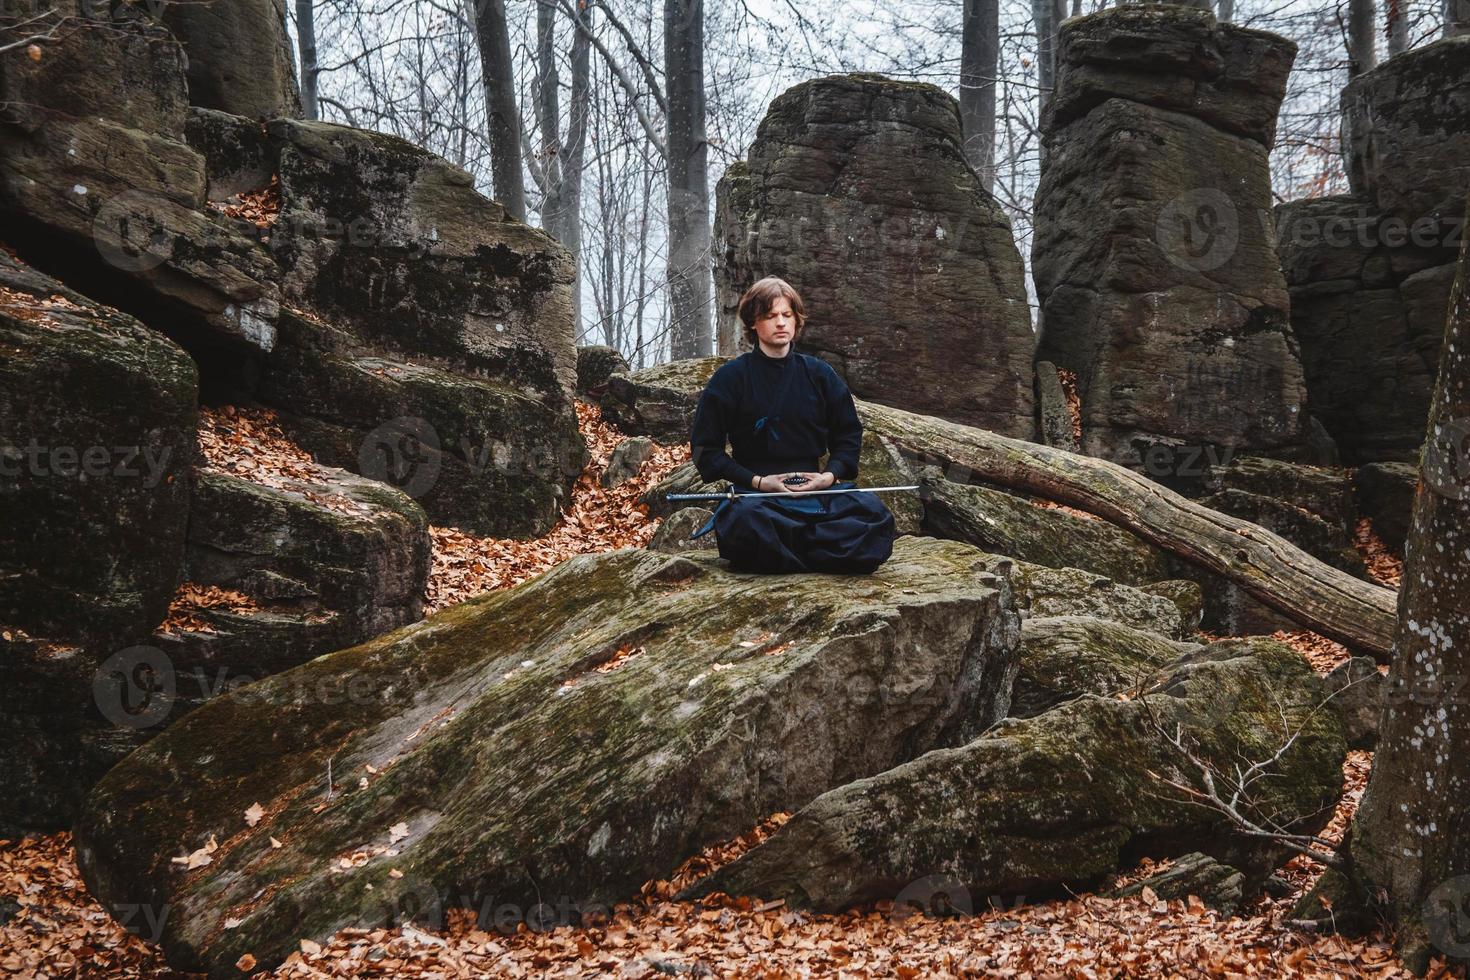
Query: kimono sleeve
[(844, 428), (707, 435)]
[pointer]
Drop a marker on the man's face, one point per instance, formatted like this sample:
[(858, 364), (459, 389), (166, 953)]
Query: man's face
[(778, 325)]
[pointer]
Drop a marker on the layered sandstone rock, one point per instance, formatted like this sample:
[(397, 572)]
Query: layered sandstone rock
[(1370, 271), (857, 192), (1153, 256)]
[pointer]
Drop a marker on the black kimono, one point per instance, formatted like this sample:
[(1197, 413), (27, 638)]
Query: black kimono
[(780, 414)]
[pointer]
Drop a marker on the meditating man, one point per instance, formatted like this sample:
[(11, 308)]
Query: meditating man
[(780, 411)]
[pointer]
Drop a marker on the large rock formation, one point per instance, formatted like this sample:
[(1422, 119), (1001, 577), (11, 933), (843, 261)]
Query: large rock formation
[(239, 56), (426, 341), (435, 318), (1370, 271), (1069, 795), (1153, 257), (328, 561), (97, 437), (558, 743), (429, 337), (97, 183), (857, 192)]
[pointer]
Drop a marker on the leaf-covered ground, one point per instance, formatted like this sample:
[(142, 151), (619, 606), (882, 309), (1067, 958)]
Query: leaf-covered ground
[(51, 927)]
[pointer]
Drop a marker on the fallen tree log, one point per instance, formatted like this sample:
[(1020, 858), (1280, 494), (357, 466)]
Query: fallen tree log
[(1356, 613)]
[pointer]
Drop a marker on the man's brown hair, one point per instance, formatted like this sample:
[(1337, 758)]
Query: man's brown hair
[(758, 300)]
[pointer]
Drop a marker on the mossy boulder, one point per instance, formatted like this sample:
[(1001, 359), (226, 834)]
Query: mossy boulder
[(431, 318), (1218, 886), (596, 363), (475, 452), (659, 401), (559, 742), (1067, 796), (97, 436), (1043, 592), (1064, 657), (339, 557), (1325, 491)]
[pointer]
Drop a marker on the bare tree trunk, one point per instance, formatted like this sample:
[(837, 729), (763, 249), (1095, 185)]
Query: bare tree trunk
[(1410, 841), (979, 61), (1225, 11), (690, 270), (1397, 14), (1362, 38), (306, 44), (561, 214), (502, 113), (1048, 14)]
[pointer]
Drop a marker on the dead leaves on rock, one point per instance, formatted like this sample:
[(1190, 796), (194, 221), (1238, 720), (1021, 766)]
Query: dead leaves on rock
[(598, 519), (251, 444), (260, 207), (191, 597)]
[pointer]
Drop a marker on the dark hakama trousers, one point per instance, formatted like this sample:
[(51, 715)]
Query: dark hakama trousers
[(842, 533)]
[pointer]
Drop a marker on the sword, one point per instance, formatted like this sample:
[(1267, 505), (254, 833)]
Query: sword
[(731, 494)]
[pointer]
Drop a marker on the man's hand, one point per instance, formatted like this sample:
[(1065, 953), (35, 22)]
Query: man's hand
[(815, 481)]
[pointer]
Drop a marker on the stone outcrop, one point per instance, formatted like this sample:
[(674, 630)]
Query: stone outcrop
[(418, 310), (560, 741), (239, 56), (856, 188), (436, 319), (1370, 271), (659, 401), (596, 364), (1067, 796), (97, 183), (1158, 278), (1043, 593), (403, 325), (1064, 657), (325, 562), (330, 561), (97, 437)]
